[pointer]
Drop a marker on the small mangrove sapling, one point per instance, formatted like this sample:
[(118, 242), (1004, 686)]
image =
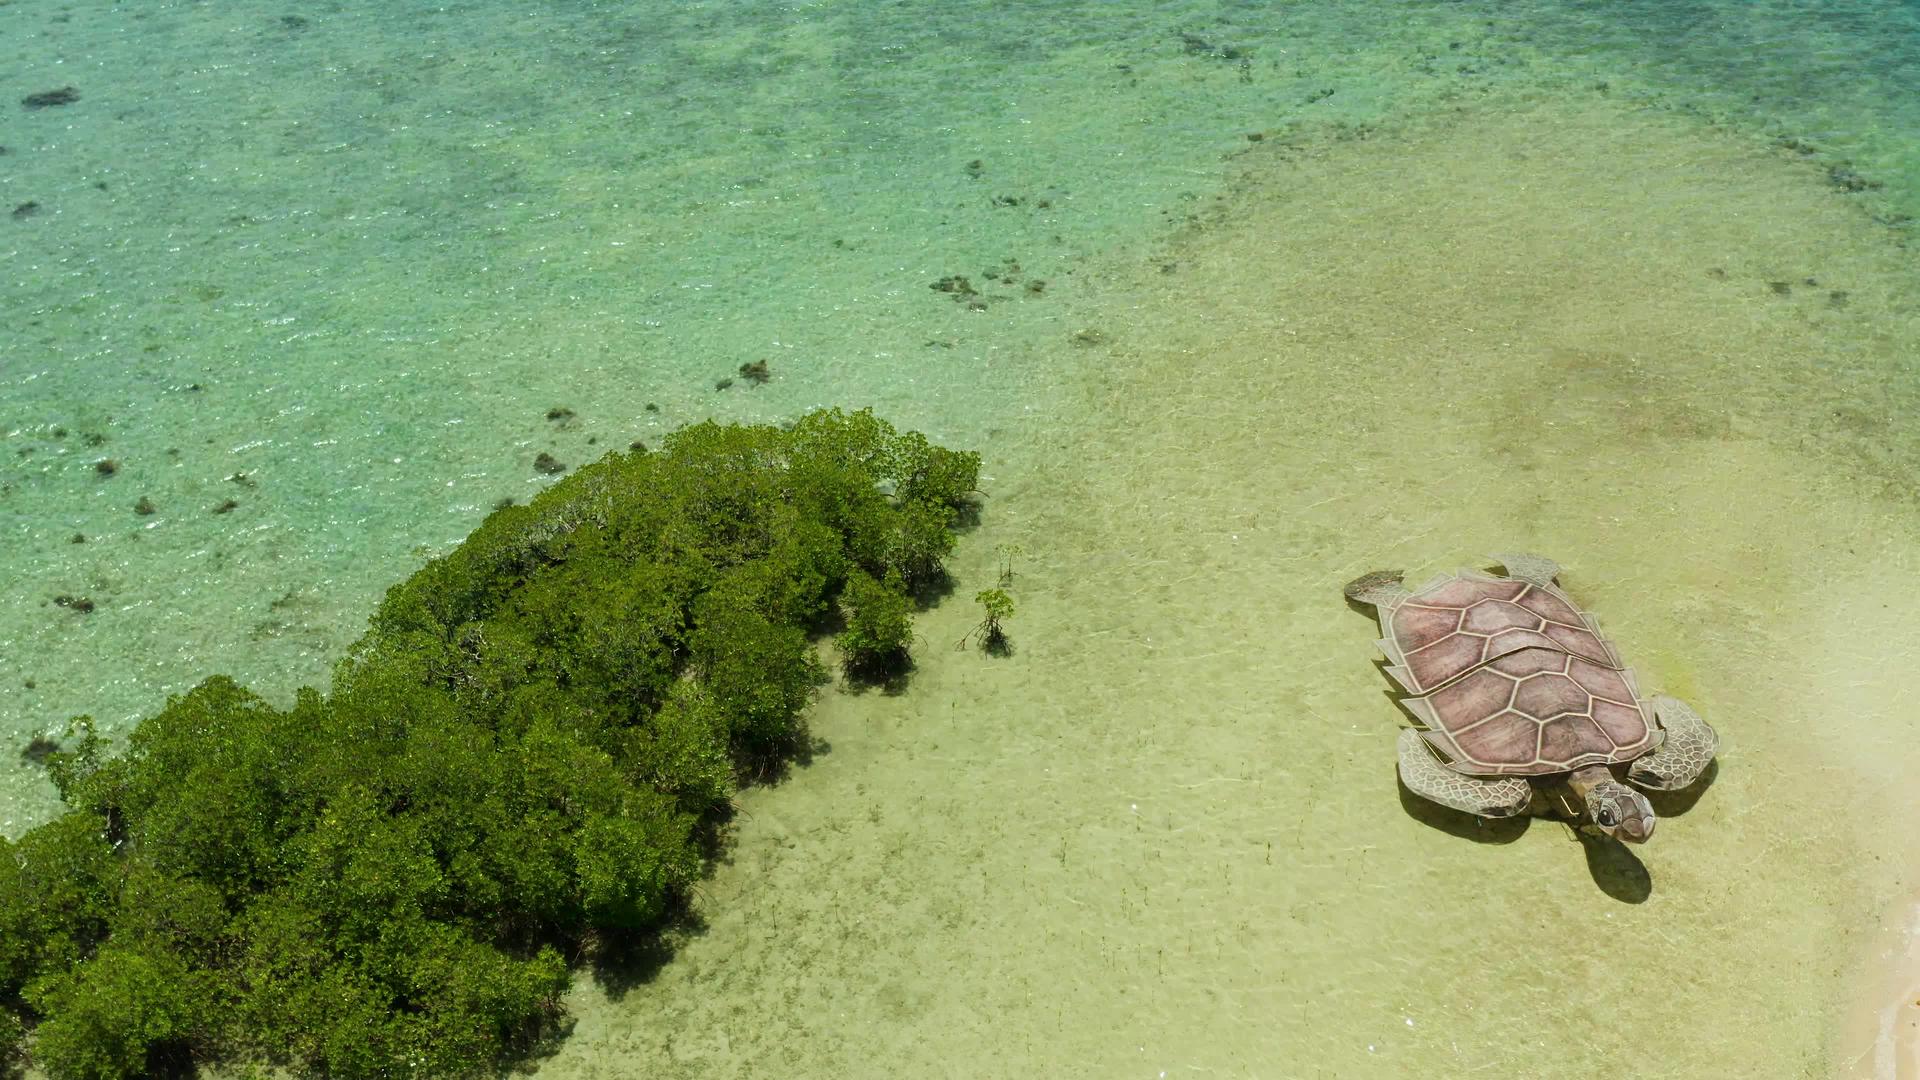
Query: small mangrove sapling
[(1007, 554), (996, 605)]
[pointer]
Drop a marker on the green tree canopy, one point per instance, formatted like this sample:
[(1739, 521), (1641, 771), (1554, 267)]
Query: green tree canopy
[(529, 747)]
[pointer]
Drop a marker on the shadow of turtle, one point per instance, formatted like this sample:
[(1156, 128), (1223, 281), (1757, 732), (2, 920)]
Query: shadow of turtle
[(1613, 865), (1616, 869)]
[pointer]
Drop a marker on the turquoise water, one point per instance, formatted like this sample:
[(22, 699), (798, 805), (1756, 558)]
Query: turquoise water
[(339, 266)]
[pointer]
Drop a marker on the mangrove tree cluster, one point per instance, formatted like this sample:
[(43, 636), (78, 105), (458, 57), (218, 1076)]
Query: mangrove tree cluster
[(524, 754)]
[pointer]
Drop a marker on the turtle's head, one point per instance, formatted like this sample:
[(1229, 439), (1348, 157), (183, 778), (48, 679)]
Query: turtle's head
[(1620, 812)]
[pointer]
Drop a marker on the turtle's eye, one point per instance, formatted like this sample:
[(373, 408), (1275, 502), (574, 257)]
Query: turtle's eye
[(1605, 817)]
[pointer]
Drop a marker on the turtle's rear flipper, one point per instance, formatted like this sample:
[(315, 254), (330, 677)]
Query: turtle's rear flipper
[(1426, 777), (1685, 754), (1382, 589), (1535, 568)]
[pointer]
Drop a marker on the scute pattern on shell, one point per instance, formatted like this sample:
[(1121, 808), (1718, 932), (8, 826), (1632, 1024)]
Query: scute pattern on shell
[(1535, 712), (1456, 623), (1509, 678)]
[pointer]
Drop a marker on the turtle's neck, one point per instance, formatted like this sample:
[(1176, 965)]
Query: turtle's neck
[(1581, 782)]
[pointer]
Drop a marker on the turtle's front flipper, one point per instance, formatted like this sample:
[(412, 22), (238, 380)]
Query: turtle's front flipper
[(1426, 777), (1685, 754), (1535, 568)]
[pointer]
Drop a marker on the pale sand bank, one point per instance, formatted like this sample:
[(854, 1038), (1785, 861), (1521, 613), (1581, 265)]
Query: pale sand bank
[(1164, 836), (1883, 1042)]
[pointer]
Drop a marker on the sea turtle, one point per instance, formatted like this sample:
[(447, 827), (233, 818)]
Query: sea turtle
[(1524, 706)]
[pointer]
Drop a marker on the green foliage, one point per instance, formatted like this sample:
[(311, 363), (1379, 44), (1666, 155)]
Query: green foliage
[(127, 1005), (917, 542), (181, 916), (71, 768), (199, 790), (879, 624), (57, 893), (683, 751), (533, 744), (996, 605), (630, 862), (929, 475), (761, 672), (13, 1043)]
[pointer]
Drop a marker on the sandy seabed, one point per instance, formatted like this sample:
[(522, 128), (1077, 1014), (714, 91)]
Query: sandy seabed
[(1164, 837)]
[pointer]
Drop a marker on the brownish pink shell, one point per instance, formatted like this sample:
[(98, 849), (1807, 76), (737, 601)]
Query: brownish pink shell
[(1511, 679), (1454, 624)]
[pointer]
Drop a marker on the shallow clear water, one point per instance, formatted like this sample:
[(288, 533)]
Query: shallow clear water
[(1626, 284)]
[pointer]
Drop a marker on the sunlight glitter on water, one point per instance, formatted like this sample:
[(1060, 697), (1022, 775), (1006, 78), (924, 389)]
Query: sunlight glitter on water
[(1626, 286)]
